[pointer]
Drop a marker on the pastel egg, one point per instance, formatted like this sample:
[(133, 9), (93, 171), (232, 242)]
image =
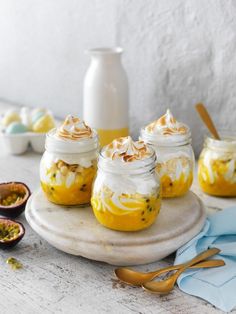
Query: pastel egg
[(36, 116), (9, 117), (44, 124), (16, 128), (37, 110)]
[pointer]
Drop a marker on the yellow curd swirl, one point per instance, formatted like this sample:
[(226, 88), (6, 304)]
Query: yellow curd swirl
[(217, 165), (217, 177), (125, 212), (176, 176), (69, 184)]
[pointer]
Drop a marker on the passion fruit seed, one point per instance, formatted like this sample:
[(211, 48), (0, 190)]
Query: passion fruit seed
[(11, 199), (14, 263), (8, 232)]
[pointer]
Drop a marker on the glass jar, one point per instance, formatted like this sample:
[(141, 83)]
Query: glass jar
[(67, 169), (217, 165), (175, 161), (126, 196)]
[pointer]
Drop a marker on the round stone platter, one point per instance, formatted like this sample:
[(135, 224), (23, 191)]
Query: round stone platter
[(76, 231)]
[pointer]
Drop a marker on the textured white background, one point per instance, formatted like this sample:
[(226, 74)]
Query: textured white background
[(177, 53)]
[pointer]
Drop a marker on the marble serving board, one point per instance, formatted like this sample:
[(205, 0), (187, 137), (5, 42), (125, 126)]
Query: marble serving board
[(75, 230)]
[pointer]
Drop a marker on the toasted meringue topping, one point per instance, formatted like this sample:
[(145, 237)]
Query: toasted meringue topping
[(125, 149), (74, 129), (167, 125)]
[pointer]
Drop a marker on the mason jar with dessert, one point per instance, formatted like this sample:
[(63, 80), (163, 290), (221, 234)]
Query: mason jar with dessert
[(171, 141), (126, 192), (217, 165), (69, 164)]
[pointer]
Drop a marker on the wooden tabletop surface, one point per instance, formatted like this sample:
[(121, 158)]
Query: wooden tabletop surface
[(54, 282)]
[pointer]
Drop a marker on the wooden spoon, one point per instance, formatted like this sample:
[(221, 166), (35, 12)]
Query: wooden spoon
[(165, 286), (201, 109)]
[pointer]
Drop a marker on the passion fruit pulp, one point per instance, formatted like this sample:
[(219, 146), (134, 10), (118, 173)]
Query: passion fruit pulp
[(13, 198), (11, 232)]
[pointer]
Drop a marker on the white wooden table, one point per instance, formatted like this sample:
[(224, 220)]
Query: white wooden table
[(55, 282)]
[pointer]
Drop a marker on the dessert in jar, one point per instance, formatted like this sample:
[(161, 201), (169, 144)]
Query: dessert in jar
[(171, 141), (217, 165), (126, 191), (68, 165)]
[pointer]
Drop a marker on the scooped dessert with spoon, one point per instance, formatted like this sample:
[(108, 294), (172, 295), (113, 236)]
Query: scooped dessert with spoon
[(69, 163), (171, 141), (217, 165), (217, 162), (126, 192)]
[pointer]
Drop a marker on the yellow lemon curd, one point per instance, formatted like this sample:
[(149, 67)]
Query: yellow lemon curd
[(178, 187), (107, 136), (69, 184), (217, 180), (175, 185), (125, 212)]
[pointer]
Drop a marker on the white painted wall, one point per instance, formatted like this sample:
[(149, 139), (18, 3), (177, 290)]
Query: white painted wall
[(177, 52)]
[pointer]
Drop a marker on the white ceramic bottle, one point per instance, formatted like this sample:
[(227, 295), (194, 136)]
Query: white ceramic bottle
[(106, 94)]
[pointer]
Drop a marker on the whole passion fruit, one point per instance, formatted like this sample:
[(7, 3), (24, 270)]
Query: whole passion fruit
[(13, 198), (11, 232)]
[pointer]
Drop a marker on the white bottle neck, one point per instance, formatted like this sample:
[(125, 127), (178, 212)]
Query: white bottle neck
[(106, 55)]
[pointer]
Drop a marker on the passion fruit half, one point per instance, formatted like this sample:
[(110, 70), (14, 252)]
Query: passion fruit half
[(13, 198), (11, 232)]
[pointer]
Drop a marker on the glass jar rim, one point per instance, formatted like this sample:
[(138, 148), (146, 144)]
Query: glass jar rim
[(226, 143), (57, 145), (166, 140), (135, 167)]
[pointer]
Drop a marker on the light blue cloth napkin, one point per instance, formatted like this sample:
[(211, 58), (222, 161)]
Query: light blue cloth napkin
[(216, 285)]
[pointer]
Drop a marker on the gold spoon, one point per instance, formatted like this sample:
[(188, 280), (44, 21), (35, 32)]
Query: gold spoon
[(201, 109), (165, 286), (136, 278)]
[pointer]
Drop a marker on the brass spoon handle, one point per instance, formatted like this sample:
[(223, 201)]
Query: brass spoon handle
[(209, 253), (201, 109), (195, 260), (203, 264), (166, 285)]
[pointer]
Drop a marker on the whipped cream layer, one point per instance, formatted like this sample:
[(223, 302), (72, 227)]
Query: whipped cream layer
[(141, 184), (167, 125), (174, 162), (126, 150), (176, 167), (74, 129)]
